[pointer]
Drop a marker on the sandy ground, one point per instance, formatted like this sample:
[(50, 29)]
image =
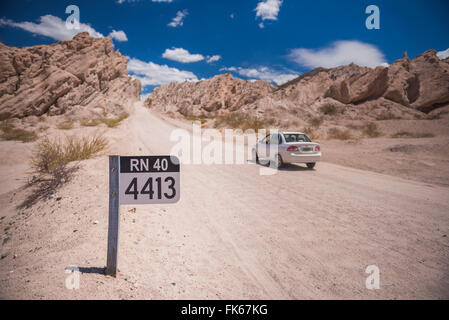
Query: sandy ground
[(235, 234)]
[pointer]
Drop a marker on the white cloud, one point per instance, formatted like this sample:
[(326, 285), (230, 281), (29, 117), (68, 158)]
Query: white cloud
[(52, 27), (340, 53), (181, 55), (152, 74), (118, 35), (214, 58), (263, 73), (179, 19), (268, 9), (443, 54)]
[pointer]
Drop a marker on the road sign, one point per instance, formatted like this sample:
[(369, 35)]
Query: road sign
[(149, 180), (138, 180)]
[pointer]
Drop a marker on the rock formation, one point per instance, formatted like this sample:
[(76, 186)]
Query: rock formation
[(406, 89), (208, 96), (80, 75)]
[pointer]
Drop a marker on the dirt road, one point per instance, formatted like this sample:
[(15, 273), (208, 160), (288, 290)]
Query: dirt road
[(235, 234)]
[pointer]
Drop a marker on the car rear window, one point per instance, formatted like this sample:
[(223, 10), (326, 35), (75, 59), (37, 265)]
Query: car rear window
[(296, 137)]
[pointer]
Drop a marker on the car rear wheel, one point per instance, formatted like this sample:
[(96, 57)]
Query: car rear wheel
[(311, 165), (278, 162), (256, 156)]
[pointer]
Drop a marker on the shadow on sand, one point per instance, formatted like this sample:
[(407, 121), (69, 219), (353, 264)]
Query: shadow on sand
[(97, 270), (286, 167)]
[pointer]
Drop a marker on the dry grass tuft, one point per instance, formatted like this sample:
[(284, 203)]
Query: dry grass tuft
[(329, 110), (316, 122), (66, 125), (406, 134), (387, 115), (371, 131), (242, 121), (114, 122), (50, 154), (336, 133), (52, 163), (89, 123), (193, 118), (311, 133), (9, 133)]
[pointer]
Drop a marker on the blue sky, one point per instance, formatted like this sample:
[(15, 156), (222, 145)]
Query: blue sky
[(273, 40)]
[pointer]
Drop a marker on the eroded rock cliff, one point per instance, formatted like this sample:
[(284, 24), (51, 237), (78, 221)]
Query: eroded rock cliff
[(80, 75)]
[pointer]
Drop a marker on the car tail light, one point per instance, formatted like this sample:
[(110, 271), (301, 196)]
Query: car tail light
[(292, 148), (317, 148)]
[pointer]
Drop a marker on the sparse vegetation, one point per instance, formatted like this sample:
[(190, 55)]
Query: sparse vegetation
[(43, 128), (433, 117), (329, 110), (406, 134), (311, 133), (50, 154), (10, 133), (355, 126), (114, 122), (51, 163), (193, 118), (336, 133), (387, 115), (242, 121), (89, 123), (371, 131), (316, 122), (66, 125)]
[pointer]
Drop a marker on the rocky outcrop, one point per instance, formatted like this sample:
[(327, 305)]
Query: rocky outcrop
[(405, 89), (219, 94), (82, 74)]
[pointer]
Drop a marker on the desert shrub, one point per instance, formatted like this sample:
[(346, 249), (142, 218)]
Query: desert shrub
[(387, 115), (329, 110), (193, 118), (355, 126), (10, 133), (433, 117), (242, 121), (406, 134), (311, 133), (52, 163), (336, 133), (371, 131), (316, 122), (89, 123), (114, 122), (53, 153), (66, 125)]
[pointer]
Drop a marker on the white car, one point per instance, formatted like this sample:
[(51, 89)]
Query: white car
[(287, 147)]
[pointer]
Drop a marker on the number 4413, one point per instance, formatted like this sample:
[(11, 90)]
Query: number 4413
[(148, 188)]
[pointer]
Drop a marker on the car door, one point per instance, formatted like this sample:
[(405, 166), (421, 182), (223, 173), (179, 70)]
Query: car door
[(263, 148), (273, 149)]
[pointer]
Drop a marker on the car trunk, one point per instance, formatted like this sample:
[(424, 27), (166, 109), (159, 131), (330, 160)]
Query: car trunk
[(303, 147)]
